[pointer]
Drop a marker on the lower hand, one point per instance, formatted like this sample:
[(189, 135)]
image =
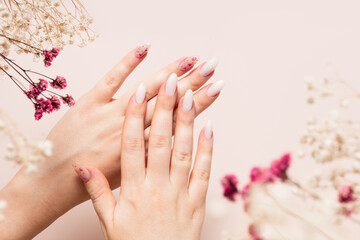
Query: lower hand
[(157, 199)]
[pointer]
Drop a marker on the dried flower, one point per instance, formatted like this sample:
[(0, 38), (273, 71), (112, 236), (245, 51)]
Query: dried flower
[(279, 167), (346, 194), (59, 83), (69, 100), (229, 184), (22, 150)]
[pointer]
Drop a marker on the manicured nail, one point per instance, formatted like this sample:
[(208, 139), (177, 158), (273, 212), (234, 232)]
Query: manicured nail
[(83, 173), (188, 63), (142, 50), (171, 85), (209, 67), (188, 100), (215, 88), (208, 129), (140, 93)]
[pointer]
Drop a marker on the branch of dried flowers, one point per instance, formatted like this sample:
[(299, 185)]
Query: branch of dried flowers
[(49, 100), (21, 150)]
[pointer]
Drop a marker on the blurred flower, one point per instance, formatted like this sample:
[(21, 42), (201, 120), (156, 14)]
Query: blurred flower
[(346, 194), (229, 184), (279, 167)]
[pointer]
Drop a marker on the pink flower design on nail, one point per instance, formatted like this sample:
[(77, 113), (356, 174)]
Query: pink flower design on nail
[(142, 51), (188, 63)]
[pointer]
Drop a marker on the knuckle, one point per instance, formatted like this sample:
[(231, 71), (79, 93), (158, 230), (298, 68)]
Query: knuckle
[(202, 174), (133, 144), (110, 81), (182, 156), (166, 104), (159, 141), (96, 194)]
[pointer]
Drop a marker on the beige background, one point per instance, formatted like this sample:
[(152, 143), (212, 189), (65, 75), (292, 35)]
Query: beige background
[(265, 48)]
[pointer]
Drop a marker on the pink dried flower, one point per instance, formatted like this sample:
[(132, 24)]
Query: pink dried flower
[(45, 105), (245, 191), (69, 100), (38, 111), (59, 83), (279, 167), (42, 85), (55, 52), (261, 175), (49, 56), (55, 102), (229, 184), (346, 194)]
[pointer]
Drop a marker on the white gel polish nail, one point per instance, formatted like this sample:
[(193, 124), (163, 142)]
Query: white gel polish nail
[(208, 129), (171, 85), (209, 67), (188, 100), (215, 88), (140, 93)]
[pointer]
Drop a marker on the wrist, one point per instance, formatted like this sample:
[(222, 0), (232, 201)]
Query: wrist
[(37, 199)]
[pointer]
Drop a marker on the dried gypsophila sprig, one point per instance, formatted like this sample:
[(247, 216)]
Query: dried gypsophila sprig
[(31, 26), (334, 140), (21, 150)]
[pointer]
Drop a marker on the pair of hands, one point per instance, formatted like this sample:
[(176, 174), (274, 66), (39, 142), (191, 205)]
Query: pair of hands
[(92, 133)]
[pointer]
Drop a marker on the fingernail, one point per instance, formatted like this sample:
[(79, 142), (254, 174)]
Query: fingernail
[(215, 88), (83, 173), (188, 63), (142, 50), (208, 129), (209, 67), (188, 100), (171, 85), (140, 93)]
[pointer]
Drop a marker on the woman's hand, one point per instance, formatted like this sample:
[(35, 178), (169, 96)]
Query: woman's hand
[(157, 199), (89, 133)]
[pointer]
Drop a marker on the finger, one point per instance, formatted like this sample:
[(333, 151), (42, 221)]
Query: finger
[(198, 77), (199, 179), (207, 95), (193, 81), (202, 100), (111, 82), (160, 139), (183, 142), (154, 82), (132, 143), (99, 190)]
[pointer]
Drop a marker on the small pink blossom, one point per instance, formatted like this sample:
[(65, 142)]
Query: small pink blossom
[(49, 55), (45, 105), (346, 194), (55, 102), (245, 191), (42, 85), (59, 83), (69, 100), (38, 111), (279, 167), (261, 175), (55, 52), (229, 184)]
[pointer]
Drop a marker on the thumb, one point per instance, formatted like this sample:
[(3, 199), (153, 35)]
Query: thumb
[(99, 190)]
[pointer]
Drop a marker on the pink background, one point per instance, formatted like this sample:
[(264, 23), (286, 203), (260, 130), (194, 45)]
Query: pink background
[(265, 49)]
